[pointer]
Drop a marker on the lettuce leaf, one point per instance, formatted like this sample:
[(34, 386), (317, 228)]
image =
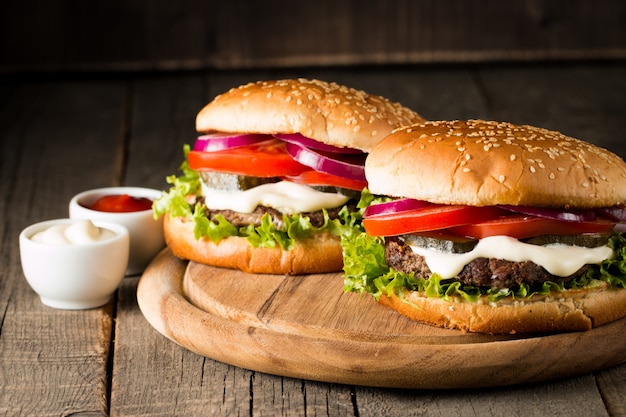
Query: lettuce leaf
[(180, 201), (366, 271), (183, 189), (215, 230)]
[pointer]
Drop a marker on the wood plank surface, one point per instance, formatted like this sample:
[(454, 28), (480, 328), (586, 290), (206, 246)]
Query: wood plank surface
[(60, 135), (193, 34), (58, 138)]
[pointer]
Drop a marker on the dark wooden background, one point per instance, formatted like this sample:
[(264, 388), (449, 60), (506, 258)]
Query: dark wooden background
[(133, 35)]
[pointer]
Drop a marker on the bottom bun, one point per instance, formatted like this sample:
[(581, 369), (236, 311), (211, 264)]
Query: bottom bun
[(320, 254), (571, 310)]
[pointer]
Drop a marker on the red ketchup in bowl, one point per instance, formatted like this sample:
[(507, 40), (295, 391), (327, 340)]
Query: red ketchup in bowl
[(121, 203)]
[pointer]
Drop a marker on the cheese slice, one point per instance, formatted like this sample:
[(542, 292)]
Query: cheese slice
[(557, 259), (287, 197)]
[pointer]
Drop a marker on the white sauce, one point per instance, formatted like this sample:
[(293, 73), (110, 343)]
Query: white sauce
[(285, 196), (559, 260), (77, 233)]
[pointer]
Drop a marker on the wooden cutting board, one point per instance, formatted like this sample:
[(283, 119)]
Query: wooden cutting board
[(307, 327)]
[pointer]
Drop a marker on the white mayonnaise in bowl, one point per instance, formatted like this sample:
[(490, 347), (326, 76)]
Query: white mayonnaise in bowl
[(74, 264)]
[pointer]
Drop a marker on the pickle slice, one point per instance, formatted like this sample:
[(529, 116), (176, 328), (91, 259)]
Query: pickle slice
[(590, 240), (463, 245), (452, 245), (353, 194), (232, 182)]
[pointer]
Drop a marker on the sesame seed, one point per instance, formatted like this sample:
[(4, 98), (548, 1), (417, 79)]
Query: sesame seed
[(585, 185), (552, 176), (532, 169), (501, 178), (512, 157), (466, 169)]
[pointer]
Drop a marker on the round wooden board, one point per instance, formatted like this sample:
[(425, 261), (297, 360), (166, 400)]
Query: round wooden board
[(307, 327)]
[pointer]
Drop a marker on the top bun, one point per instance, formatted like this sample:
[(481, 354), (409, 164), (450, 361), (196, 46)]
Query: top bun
[(327, 112), (483, 163)]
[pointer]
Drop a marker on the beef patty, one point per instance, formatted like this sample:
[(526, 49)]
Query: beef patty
[(243, 219), (482, 272)]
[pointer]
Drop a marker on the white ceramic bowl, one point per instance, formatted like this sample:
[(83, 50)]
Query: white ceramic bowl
[(146, 233), (76, 276)]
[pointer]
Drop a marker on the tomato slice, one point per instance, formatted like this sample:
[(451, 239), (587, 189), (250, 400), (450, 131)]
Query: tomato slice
[(313, 177), (427, 219), (521, 227), (264, 159)]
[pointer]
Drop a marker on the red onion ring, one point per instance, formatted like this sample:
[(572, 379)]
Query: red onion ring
[(620, 227), (298, 139), (395, 206), (219, 141), (616, 213), (323, 163), (551, 213)]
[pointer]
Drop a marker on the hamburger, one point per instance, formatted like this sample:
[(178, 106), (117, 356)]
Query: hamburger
[(275, 176), (493, 228)]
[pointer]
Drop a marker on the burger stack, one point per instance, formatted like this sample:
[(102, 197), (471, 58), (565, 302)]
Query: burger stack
[(476, 225)]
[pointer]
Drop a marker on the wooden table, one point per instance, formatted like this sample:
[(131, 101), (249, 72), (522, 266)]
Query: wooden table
[(61, 134)]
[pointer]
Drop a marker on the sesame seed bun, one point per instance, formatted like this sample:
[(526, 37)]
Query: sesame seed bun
[(486, 163), (327, 112), (481, 163), (568, 311)]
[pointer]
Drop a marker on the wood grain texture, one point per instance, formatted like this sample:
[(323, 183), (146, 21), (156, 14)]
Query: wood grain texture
[(52, 362), (570, 397), (306, 327), (194, 34), (180, 382)]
